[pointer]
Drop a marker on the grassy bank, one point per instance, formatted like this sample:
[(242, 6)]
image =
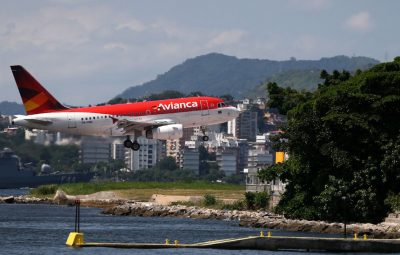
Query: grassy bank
[(143, 190)]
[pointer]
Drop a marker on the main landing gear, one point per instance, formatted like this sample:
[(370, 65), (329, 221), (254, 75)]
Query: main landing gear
[(133, 145), (203, 130)]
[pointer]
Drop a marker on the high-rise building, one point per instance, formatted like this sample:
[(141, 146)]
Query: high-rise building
[(227, 160), (117, 149), (245, 125), (191, 160), (146, 157), (95, 149)]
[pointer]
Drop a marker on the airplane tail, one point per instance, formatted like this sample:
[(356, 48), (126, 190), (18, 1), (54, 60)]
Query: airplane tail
[(36, 99)]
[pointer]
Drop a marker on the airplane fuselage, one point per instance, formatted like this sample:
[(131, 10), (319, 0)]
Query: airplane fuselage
[(100, 120)]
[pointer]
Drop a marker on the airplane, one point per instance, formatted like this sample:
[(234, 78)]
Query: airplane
[(161, 119)]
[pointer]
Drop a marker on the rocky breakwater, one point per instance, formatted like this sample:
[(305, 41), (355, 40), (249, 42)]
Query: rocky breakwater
[(25, 200), (258, 219)]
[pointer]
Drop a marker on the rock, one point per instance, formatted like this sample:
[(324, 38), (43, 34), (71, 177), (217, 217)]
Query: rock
[(62, 198), (8, 200)]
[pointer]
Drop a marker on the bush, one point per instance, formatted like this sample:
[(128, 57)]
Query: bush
[(209, 200), (44, 190), (261, 200), (249, 200), (393, 201), (237, 205)]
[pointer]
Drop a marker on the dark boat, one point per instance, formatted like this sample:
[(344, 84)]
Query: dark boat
[(13, 175)]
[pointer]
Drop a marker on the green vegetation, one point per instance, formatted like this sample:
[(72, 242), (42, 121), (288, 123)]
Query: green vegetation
[(89, 188), (44, 190), (344, 147), (209, 200), (285, 99)]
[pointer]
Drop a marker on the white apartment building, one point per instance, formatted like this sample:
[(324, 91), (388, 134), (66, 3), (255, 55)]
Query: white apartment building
[(146, 157)]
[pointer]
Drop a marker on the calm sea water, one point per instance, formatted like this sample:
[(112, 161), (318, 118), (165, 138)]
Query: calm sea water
[(43, 229)]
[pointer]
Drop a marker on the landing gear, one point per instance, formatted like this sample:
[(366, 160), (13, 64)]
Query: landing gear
[(128, 143), (133, 145), (203, 130)]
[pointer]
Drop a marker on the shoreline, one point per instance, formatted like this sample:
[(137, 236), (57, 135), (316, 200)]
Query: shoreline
[(254, 219)]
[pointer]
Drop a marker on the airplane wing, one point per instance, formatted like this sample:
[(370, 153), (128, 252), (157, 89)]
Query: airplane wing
[(129, 126)]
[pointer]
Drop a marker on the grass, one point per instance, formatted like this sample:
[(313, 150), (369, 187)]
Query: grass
[(144, 190)]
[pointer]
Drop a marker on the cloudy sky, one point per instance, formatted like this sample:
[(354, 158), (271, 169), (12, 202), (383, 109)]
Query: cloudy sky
[(88, 51)]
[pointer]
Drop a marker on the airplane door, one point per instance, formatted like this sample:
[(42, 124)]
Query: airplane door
[(71, 120), (204, 107)]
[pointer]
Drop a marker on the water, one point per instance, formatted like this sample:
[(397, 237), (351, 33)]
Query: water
[(13, 192), (43, 229)]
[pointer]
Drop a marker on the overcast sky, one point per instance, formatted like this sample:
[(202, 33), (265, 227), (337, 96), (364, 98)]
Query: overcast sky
[(86, 52)]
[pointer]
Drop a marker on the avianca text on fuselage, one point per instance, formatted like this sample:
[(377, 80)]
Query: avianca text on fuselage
[(177, 106), (163, 119)]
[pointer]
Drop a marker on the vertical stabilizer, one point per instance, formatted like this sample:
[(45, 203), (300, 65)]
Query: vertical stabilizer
[(36, 99)]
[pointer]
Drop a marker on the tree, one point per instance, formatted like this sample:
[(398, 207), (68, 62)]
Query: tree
[(285, 99), (343, 141), (167, 163)]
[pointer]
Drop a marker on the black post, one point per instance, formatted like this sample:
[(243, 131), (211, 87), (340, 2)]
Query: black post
[(345, 216), (77, 215)]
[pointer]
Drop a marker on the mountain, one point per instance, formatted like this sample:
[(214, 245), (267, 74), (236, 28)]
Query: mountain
[(218, 74), (11, 108), (296, 79)]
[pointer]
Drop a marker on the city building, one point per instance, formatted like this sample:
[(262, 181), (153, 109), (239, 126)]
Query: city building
[(245, 125), (227, 160), (146, 157), (39, 136), (191, 160), (257, 161), (95, 149), (117, 149)]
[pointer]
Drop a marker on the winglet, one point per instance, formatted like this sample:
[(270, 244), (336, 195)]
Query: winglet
[(35, 97)]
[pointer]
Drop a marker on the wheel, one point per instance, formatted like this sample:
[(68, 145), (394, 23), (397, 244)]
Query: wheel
[(205, 138), (128, 143), (135, 146)]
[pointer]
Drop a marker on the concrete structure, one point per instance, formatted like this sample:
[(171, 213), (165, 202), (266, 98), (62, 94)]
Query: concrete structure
[(265, 241), (95, 149), (146, 157), (227, 160), (191, 160)]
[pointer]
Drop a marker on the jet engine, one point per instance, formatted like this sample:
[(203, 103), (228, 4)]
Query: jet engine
[(167, 132)]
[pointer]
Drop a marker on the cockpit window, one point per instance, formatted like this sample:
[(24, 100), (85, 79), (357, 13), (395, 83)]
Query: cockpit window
[(220, 105)]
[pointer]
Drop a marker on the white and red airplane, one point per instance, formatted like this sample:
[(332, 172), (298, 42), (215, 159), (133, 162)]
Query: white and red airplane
[(162, 119)]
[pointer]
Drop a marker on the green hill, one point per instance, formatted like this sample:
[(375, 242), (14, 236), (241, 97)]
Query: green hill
[(218, 74)]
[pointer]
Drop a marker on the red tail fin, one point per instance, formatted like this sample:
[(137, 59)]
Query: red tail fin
[(36, 99)]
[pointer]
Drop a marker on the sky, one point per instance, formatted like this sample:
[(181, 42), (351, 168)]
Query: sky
[(88, 51)]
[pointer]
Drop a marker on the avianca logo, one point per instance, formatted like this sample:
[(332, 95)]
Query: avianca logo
[(177, 106)]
